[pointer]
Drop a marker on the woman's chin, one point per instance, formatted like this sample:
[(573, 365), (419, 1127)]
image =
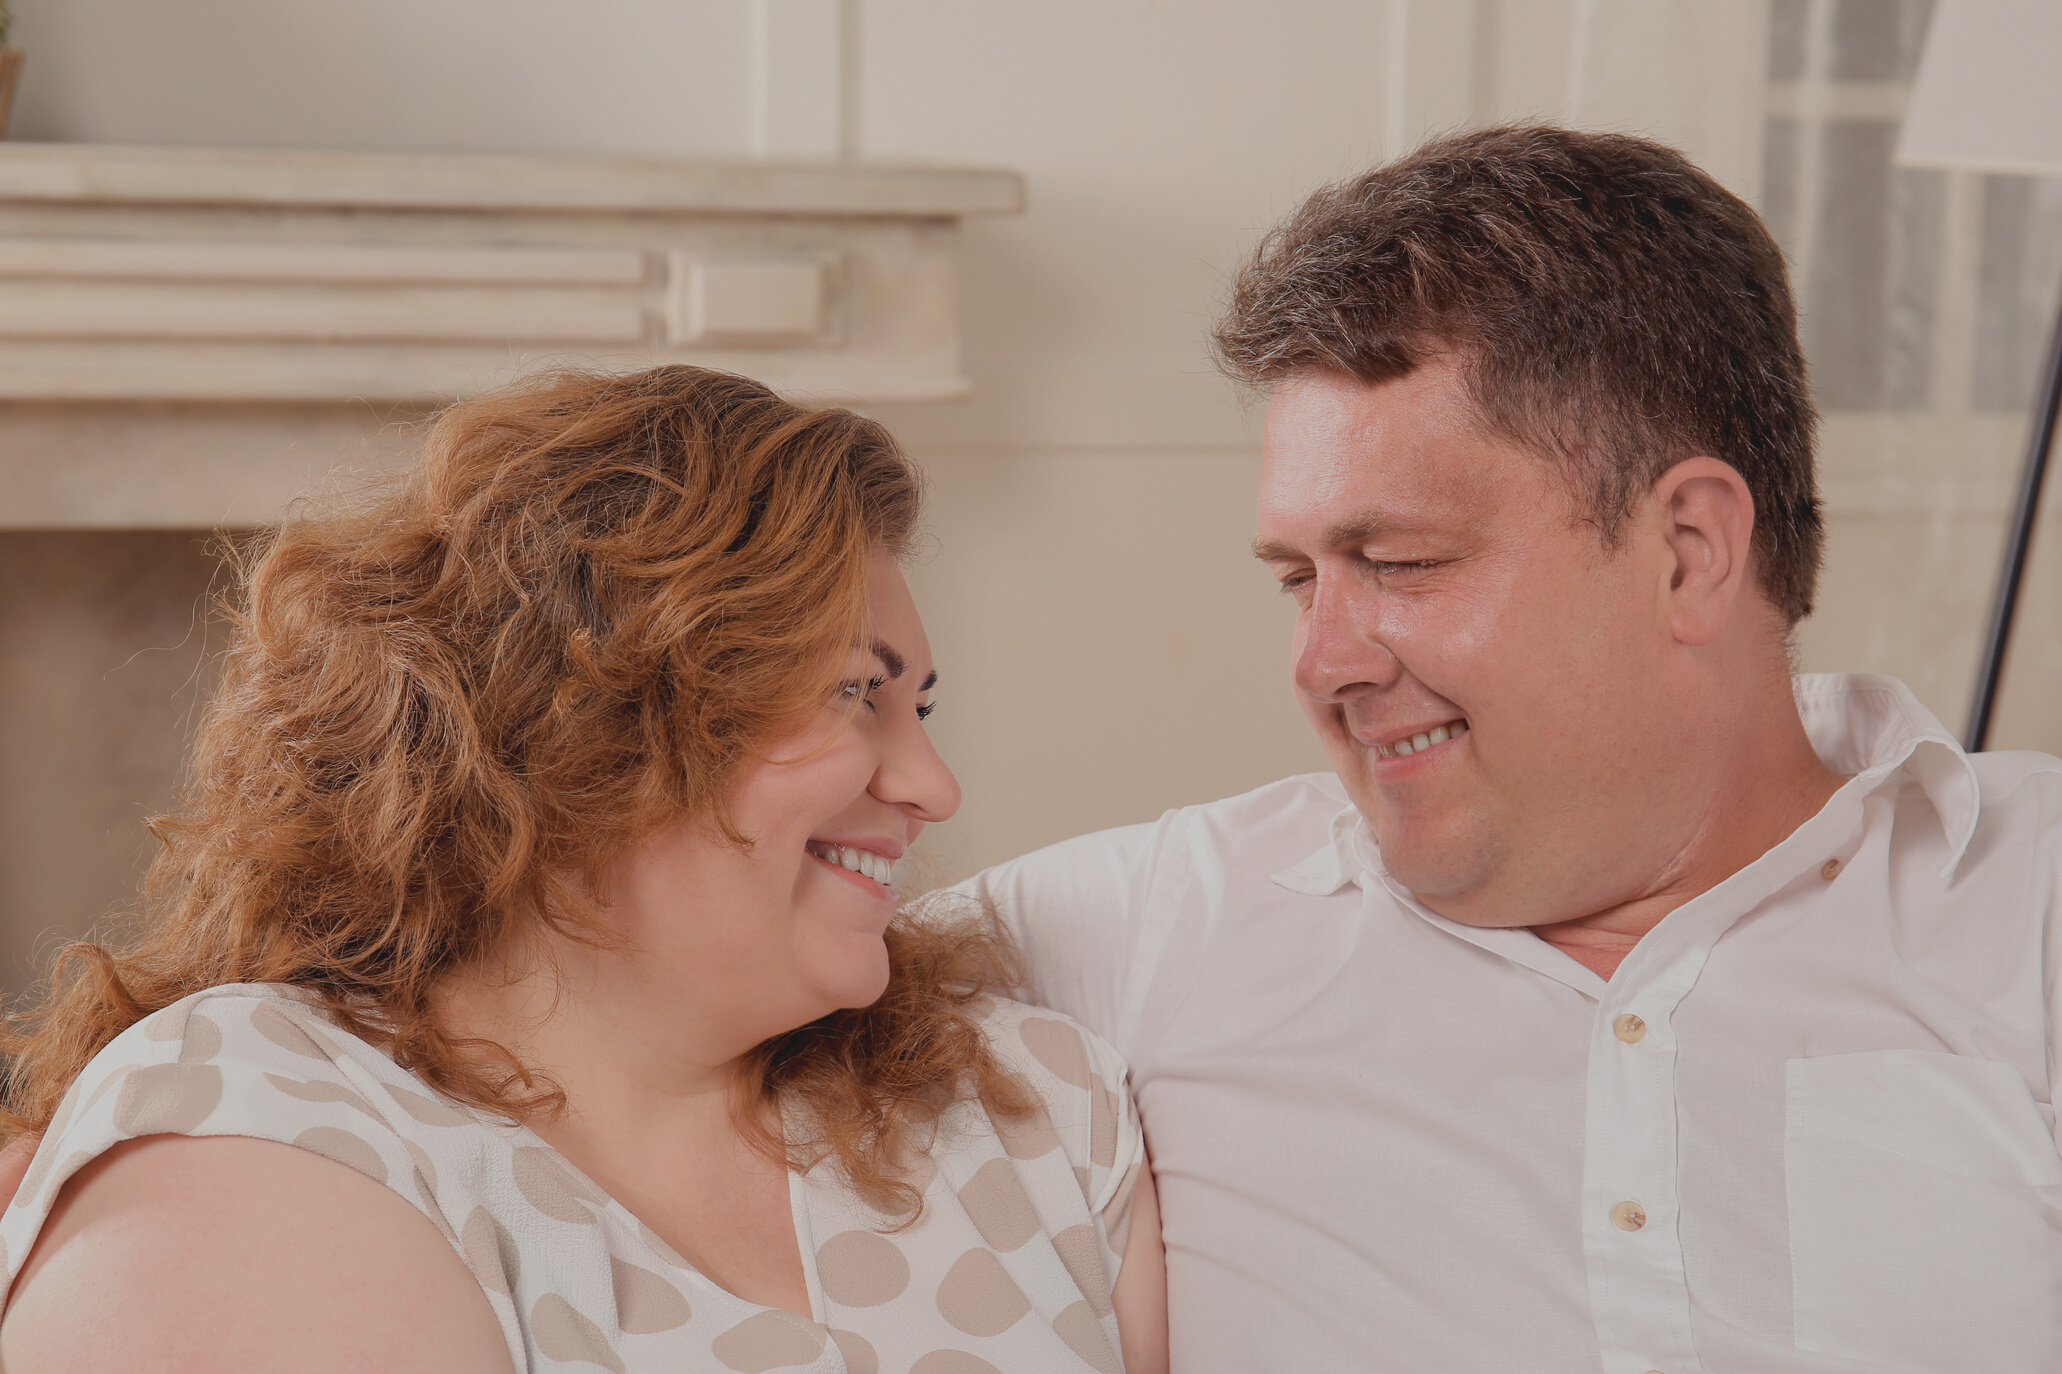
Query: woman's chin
[(854, 981)]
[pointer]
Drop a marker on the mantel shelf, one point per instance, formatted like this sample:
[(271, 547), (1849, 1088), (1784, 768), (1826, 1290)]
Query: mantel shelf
[(258, 176), (152, 274)]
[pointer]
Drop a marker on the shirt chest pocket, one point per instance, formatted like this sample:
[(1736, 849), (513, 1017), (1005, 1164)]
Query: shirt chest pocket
[(1924, 1224)]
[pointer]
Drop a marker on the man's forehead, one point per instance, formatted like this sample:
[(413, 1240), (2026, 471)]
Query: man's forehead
[(1346, 463), (1320, 530)]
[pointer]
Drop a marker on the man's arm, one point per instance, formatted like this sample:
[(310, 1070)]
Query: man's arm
[(1076, 910)]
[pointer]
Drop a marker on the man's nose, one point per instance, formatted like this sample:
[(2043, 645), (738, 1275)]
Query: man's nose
[(1339, 646), (913, 776)]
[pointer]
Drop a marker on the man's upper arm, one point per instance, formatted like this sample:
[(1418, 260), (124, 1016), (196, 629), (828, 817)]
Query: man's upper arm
[(225, 1253), (1076, 910)]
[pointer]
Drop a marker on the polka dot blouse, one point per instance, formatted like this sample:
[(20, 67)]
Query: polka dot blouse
[(1009, 1270)]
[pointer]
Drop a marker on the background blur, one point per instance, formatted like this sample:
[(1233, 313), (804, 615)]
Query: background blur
[(1108, 646)]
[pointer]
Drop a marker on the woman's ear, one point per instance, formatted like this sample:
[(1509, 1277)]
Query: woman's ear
[(1707, 521)]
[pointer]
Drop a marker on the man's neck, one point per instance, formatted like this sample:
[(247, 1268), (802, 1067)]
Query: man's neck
[(1772, 810)]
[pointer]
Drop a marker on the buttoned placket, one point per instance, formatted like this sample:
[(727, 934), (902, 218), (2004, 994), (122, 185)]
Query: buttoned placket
[(1639, 1292)]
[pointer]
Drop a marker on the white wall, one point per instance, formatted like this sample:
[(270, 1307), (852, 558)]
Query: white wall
[(1108, 647)]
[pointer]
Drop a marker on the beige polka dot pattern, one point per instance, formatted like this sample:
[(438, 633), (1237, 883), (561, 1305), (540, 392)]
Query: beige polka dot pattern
[(1007, 1269), (646, 1303), (322, 1092), (1102, 1123), (490, 1252), (952, 1362), (270, 1021), (1031, 1137), (425, 1167), (1079, 1251), (1079, 1327), (345, 1148), (167, 1099), (570, 1338), (428, 1108), (1058, 1046), (771, 1340), (548, 1187), (996, 1202), (202, 1041), (979, 1296), (860, 1357), (861, 1269)]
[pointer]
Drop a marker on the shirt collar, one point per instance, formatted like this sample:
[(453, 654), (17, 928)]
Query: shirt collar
[(1860, 723), (1863, 724)]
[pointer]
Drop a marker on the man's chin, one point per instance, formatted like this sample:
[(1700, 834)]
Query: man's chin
[(1437, 865)]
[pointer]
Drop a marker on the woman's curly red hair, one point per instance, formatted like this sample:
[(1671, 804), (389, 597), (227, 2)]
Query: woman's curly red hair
[(444, 711)]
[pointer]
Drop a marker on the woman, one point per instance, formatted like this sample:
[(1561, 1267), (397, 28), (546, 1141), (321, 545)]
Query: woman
[(524, 985)]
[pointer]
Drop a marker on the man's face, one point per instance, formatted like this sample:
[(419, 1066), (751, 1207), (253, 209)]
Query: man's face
[(1491, 684)]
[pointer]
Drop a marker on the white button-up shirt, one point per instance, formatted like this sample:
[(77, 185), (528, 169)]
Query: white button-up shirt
[(1807, 1126)]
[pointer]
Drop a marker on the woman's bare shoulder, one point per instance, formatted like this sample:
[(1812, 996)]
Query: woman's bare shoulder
[(226, 1253)]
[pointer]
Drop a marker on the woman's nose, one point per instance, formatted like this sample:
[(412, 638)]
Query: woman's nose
[(912, 775)]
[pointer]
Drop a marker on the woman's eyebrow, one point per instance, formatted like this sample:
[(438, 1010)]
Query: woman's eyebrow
[(897, 665)]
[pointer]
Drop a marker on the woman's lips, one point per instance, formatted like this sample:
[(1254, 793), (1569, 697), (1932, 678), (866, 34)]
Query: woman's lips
[(860, 864)]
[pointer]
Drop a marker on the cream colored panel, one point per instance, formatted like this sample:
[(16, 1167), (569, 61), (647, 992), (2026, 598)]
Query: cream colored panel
[(745, 299), (111, 259), (96, 310)]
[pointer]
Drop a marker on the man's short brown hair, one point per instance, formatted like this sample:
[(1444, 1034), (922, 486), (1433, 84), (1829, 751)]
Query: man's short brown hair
[(1615, 308)]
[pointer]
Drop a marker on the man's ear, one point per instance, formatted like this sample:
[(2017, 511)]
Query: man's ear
[(1706, 516)]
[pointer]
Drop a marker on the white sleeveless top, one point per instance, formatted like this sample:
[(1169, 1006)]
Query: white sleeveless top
[(1009, 1270)]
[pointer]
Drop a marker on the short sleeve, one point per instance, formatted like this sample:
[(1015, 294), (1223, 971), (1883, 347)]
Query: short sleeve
[(1076, 910), (1086, 1090)]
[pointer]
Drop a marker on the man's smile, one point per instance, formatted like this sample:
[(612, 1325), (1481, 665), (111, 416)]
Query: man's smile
[(1403, 743)]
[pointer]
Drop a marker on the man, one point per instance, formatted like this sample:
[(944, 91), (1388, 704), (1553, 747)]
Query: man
[(1619, 1003)]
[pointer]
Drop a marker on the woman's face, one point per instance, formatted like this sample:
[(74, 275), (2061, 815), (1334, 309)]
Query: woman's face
[(761, 940)]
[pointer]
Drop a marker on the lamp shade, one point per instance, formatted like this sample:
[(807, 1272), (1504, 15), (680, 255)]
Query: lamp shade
[(1988, 93)]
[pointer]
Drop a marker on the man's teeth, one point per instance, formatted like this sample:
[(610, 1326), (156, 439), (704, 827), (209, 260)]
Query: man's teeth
[(864, 862), (1438, 734)]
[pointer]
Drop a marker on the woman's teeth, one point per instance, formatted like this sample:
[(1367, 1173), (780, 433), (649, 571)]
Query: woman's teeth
[(864, 862), (1438, 734)]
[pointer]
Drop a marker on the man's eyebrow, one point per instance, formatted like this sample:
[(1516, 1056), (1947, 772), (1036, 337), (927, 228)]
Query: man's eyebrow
[(1358, 530), (892, 661)]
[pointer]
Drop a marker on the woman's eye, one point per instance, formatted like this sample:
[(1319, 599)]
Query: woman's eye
[(862, 692), (923, 712)]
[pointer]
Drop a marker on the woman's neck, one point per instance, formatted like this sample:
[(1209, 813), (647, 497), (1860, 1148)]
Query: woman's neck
[(652, 1105), (624, 1052)]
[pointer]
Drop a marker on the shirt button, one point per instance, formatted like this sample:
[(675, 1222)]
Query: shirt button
[(1629, 1028), (1830, 869), (1628, 1216)]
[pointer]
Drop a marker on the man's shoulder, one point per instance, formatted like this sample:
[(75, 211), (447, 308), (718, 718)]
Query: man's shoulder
[(2021, 794), (1234, 844), (2006, 773), (1279, 823)]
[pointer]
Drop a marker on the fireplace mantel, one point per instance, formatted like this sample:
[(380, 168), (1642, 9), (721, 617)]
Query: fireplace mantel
[(188, 274), (192, 337)]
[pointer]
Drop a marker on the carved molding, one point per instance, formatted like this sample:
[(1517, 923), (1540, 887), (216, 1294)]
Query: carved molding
[(153, 274)]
